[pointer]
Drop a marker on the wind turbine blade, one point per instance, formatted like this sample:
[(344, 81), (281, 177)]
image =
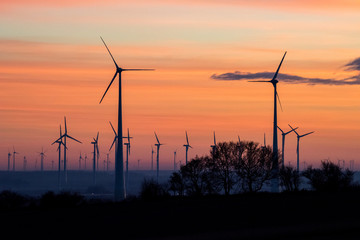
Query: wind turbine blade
[(277, 71), (108, 86), (112, 144), (279, 101), (73, 138), (157, 139), (60, 131), (109, 52), (306, 134), (187, 139), (113, 128), (57, 140), (281, 129), (239, 139), (97, 136), (138, 69), (214, 139), (259, 81), (65, 126), (293, 130)]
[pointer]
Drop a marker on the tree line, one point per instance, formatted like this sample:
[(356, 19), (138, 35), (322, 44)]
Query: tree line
[(244, 167)]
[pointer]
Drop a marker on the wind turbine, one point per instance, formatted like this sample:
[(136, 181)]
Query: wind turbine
[(187, 146), (9, 156), (14, 152), (238, 146), (85, 161), (158, 144), (42, 155), (119, 158), (25, 162), (264, 146), (275, 160), (60, 142), (96, 156), (64, 137), (213, 147), (127, 144), (297, 148), (174, 160), (80, 158), (152, 158), (283, 144)]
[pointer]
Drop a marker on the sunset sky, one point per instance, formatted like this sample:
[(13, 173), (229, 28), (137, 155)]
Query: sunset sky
[(53, 64)]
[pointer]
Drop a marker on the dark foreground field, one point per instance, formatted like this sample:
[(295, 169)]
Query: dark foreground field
[(303, 215)]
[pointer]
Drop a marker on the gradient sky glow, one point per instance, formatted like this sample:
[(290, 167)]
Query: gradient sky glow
[(53, 64)]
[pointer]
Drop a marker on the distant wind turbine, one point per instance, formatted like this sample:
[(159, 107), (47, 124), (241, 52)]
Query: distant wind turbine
[(42, 155), (80, 159), (238, 146), (283, 144), (96, 156), (64, 137), (187, 146), (14, 152), (9, 156), (152, 158), (158, 144), (213, 147), (275, 160), (297, 148), (127, 144), (175, 160), (59, 142), (25, 162), (119, 158)]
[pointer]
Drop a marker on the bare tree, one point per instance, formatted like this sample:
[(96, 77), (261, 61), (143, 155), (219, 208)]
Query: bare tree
[(222, 166), (289, 178), (254, 166)]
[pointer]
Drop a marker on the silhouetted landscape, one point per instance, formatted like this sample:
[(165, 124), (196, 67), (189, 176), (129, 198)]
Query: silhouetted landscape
[(34, 203)]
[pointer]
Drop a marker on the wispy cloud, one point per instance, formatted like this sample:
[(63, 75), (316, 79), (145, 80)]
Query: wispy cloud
[(294, 79)]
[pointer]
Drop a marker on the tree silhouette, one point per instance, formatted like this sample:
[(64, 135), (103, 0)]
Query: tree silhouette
[(330, 177), (289, 178), (222, 166), (254, 166)]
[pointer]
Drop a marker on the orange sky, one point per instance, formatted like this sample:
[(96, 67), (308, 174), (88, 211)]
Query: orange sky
[(53, 64)]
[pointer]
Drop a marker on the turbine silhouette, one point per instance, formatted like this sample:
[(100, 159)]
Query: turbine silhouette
[(275, 160), (283, 144), (63, 138), (127, 144), (297, 148), (213, 147), (187, 146), (96, 156), (119, 158), (158, 144), (14, 152)]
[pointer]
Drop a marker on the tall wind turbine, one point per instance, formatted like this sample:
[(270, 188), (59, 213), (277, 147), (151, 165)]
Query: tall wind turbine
[(213, 147), (297, 148), (119, 158), (187, 146), (80, 159), (283, 144), (158, 144), (96, 156), (64, 137), (9, 156), (14, 152), (42, 155), (127, 144), (275, 160)]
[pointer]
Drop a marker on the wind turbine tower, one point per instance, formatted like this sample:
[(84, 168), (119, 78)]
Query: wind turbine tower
[(127, 144), (283, 143), (213, 147), (158, 144), (14, 152), (297, 148), (59, 142), (42, 155), (275, 160), (187, 146), (9, 156), (174, 160), (96, 156), (152, 158), (63, 138), (119, 158)]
